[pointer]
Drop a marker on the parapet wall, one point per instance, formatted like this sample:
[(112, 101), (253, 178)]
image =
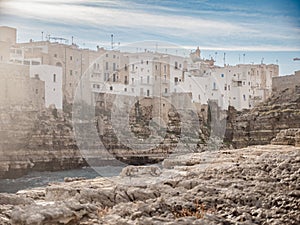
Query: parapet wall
[(290, 81)]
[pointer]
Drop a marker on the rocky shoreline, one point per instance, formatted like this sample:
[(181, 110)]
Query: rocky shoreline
[(254, 185)]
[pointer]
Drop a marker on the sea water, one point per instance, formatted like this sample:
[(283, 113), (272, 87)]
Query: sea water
[(40, 179)]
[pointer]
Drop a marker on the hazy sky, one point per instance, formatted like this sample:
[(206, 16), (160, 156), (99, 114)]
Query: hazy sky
[(268, 29)]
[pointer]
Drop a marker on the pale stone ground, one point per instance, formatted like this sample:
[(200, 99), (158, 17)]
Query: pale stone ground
[(254, 185)]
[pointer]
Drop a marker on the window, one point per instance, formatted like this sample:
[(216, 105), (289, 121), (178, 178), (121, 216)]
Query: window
[(156, 67), (54, 78), (71, 58), (55, 55), (36, 91), (111, 88), (165, 68), (106, 55), (147, 62), (132, 90), (71, 72), (114, 66), (125, 89), (132, 80), (148, 93), (106, 65), (222, 75), (98, 86), (126, 80), (225, 87), (244, 97), (176, 80), (142, 61), (166, 90), (114, 56), (132, 67), (176, 65), (214, 86), (148, 79)]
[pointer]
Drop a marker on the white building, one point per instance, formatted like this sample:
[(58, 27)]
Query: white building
[(149, 74), (52, 76)]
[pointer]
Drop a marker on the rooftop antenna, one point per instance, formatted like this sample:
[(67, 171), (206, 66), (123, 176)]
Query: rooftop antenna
[(277, 61), (42, 35), (239, 58), (72, 40), (224, 58), (244, 58), (262, 60), (112, 41), (216, 53)]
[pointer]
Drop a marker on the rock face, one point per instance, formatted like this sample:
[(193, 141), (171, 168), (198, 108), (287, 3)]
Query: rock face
[(261, 124), (255, 185), (287, 137), (31, 140)]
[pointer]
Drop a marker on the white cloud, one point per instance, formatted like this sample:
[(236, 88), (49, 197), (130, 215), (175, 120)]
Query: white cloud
[(108, 17), (138, 22)]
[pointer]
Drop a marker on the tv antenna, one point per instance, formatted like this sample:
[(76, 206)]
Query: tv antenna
[(112, 41)]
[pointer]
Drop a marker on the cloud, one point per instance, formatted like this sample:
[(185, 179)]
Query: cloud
[(208, 23), (108, 17)]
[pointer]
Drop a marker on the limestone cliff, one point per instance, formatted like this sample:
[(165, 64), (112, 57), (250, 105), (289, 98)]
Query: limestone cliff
[(32, 140), (261, 124)]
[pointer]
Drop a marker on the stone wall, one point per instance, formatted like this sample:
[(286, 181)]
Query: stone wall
[(17, 88), (283, 82)]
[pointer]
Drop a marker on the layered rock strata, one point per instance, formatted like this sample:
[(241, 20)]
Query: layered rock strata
[(261, 124)]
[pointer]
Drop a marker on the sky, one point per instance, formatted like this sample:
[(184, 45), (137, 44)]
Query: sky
[(246, 31)]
